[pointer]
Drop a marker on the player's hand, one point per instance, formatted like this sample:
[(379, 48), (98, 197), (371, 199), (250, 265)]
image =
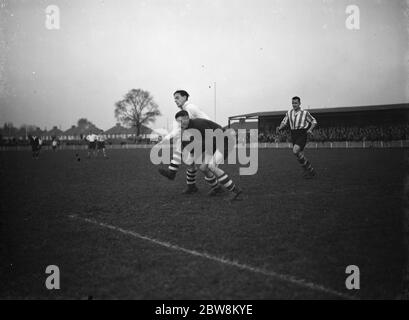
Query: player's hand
[(278, 130), (309, 132)]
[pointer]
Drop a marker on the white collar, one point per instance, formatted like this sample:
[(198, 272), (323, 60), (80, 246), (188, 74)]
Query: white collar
[(184, 105)]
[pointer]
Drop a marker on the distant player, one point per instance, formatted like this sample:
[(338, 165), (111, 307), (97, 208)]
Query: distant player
[(101, 145), (210, 158), (301, 123), (181, 99), (54, 144), (92, 144), (35, 143)]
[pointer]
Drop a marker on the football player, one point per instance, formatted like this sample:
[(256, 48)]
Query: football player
[(181, 99), (35, 143), (212, 157), (91, 138), (101, 145), (301, 123)]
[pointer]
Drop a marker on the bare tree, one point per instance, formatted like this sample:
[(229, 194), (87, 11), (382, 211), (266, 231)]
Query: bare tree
[(8, 129), (84, 123), (136, 109)]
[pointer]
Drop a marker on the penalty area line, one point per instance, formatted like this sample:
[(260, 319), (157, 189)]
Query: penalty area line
[(283, 277)]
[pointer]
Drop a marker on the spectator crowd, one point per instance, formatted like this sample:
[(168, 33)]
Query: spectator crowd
[(341, 133), (320, 134)]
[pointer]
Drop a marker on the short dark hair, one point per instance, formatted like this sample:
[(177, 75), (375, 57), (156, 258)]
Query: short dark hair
[(183, 93), (296, 98), (181, 113)]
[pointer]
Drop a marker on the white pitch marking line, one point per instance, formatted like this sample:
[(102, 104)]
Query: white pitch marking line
[(283, 277)]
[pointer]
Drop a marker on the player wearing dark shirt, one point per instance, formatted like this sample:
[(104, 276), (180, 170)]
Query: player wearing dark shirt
[(211, 156), (35, 146), (182, 102)]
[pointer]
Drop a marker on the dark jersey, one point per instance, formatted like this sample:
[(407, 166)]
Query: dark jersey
[(35, 143), (202, 125)]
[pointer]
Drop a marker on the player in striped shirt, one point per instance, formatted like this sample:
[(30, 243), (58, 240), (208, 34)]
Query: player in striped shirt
[(211, 157), (181, 99), (301, 123)]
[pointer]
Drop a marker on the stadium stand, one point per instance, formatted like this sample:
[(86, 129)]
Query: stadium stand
[(365, 123)]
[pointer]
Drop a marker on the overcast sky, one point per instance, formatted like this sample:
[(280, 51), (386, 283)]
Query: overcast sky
[(260, 53)]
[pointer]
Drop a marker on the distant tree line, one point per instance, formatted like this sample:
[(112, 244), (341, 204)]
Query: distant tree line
[(135, 111)]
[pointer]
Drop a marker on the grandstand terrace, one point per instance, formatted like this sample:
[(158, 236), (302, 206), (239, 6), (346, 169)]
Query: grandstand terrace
[(383, 123)]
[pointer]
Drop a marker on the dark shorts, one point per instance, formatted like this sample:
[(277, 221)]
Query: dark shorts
[(299, 138), (92, 145), (101, 145)]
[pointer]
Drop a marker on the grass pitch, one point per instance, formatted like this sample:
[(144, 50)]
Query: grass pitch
[(118, 230)]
